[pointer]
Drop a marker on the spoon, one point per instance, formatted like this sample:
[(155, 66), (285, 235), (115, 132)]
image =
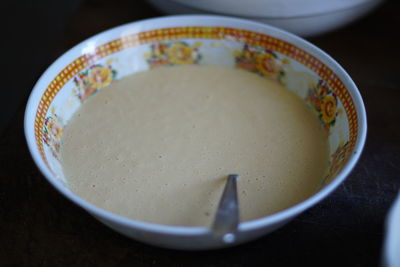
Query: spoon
[(226, 219)]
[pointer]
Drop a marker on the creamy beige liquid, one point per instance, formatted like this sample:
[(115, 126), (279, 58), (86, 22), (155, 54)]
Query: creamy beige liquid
[(157, 146)]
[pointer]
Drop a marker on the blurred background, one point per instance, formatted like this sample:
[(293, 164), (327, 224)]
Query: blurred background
[(37, 32), (38, 227)]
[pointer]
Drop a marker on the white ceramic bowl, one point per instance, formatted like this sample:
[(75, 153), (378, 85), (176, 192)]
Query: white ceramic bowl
[(305, 18), (175, 40)]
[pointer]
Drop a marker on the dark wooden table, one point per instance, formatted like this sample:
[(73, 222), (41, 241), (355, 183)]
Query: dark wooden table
[(39, 227)]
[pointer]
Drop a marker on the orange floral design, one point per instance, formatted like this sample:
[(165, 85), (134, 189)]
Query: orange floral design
[(180, 54), (328, 109), (267, 65), (92, 79), (52, 133), (324, 101), (173, 53), (322, 90), (262, 61), (339, 157), (100, 77)]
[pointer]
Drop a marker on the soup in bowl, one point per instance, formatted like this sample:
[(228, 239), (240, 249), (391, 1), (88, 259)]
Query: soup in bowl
[(140, 125)]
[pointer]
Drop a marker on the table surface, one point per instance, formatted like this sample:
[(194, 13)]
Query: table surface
[(39, 227)]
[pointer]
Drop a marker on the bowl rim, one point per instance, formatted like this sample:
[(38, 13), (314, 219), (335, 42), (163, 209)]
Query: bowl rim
[(188, 20)]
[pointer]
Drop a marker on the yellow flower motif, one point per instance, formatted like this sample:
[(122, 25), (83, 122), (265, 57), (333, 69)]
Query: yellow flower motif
[(328, 109), (285, 61), (109, 61), (322, 91), (55, 129), (54, 126), (197, 44), (100, 77), (267, 65), (237, 53), (180, 54), (247, 54)]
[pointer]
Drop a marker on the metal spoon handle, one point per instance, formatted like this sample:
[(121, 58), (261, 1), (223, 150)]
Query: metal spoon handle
[(226, 219)]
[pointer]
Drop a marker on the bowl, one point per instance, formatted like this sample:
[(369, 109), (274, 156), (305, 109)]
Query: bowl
[(305, 18), (95, 63), (391, 245)]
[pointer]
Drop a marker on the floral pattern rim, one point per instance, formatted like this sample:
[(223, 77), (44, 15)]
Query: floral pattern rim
[(173, 53), (89, 81), (262, 62), (324, 101)]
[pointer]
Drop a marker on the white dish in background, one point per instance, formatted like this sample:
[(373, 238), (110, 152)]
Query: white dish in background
[(391, 252), (305, 18)]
